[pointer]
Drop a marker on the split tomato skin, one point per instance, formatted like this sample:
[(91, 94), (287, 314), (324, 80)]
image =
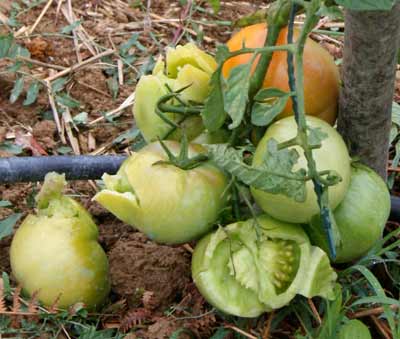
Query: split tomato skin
[(360, 217), (184, 67), (169, 204), (245, 274), (332, 155), (321, 75), (56, 255)]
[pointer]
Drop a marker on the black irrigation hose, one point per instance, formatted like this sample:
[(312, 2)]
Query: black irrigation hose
[(84, 167), (395, 208)]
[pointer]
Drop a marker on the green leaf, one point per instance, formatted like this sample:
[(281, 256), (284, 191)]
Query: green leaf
[(133, 41), (393, 133), (315, 136), (396, 113), (17, 89), (113, 86), (222, 53), (237, 93), (367, 5), (146, 67), (269, 103), (11, 148), (5, 203), (377, 300), (129, 136), (220, 334), (332, 12), (275, 175), (215, 4), (15, 67), (7, 225), (269, 93), (80, 119), (354, 329), (32, 93), (177, 333), (334, 315), (396, 158), (213, 113), (66, 100), (6, 284), (263, 114), (68, 29), (373, 281), (64, 150), (17, 50), (58, 84), (5, 44)]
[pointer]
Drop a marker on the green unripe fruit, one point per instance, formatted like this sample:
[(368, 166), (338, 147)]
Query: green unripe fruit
[(56, 254), (360, 217)]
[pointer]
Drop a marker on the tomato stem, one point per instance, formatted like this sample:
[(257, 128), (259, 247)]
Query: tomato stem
[(182, 161), (296, 83), (52, 188)]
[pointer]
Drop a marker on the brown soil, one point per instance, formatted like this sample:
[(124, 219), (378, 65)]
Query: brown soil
[(5, 255), (138, 265)]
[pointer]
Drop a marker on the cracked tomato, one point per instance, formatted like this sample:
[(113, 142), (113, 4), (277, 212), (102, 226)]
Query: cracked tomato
[(169, 204), (246, 273), (55, 252), (185, 66)]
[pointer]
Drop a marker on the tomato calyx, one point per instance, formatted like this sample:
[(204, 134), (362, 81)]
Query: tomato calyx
[(182, 161)]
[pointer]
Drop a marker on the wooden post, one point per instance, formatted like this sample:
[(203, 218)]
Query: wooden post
[(372, 41)]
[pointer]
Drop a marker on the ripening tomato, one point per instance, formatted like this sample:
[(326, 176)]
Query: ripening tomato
[(332, 155), (169, 204), (321, 76)]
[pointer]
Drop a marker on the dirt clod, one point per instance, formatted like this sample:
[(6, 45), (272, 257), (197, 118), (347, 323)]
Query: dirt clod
[(44, 131), (137, 264)]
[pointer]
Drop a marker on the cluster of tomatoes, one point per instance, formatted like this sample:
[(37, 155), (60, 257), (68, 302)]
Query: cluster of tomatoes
[(250, 266)]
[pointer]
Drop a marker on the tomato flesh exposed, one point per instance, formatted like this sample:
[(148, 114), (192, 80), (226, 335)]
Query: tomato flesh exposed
[(245, 276), (168, 204), (332, 155), (186, 66), (321, 75), (360, 217), (56, 254)]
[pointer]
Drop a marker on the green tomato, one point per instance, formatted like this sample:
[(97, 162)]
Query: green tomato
[(186, 66), (360, 217), (332, 155), (56, 254), (245, 276), (170, 205)]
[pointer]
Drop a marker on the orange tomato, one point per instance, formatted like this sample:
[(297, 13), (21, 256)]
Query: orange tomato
[(321, 75)]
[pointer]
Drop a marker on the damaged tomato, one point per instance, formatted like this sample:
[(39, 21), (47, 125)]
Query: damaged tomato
[(169, 204), (246, 272)]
